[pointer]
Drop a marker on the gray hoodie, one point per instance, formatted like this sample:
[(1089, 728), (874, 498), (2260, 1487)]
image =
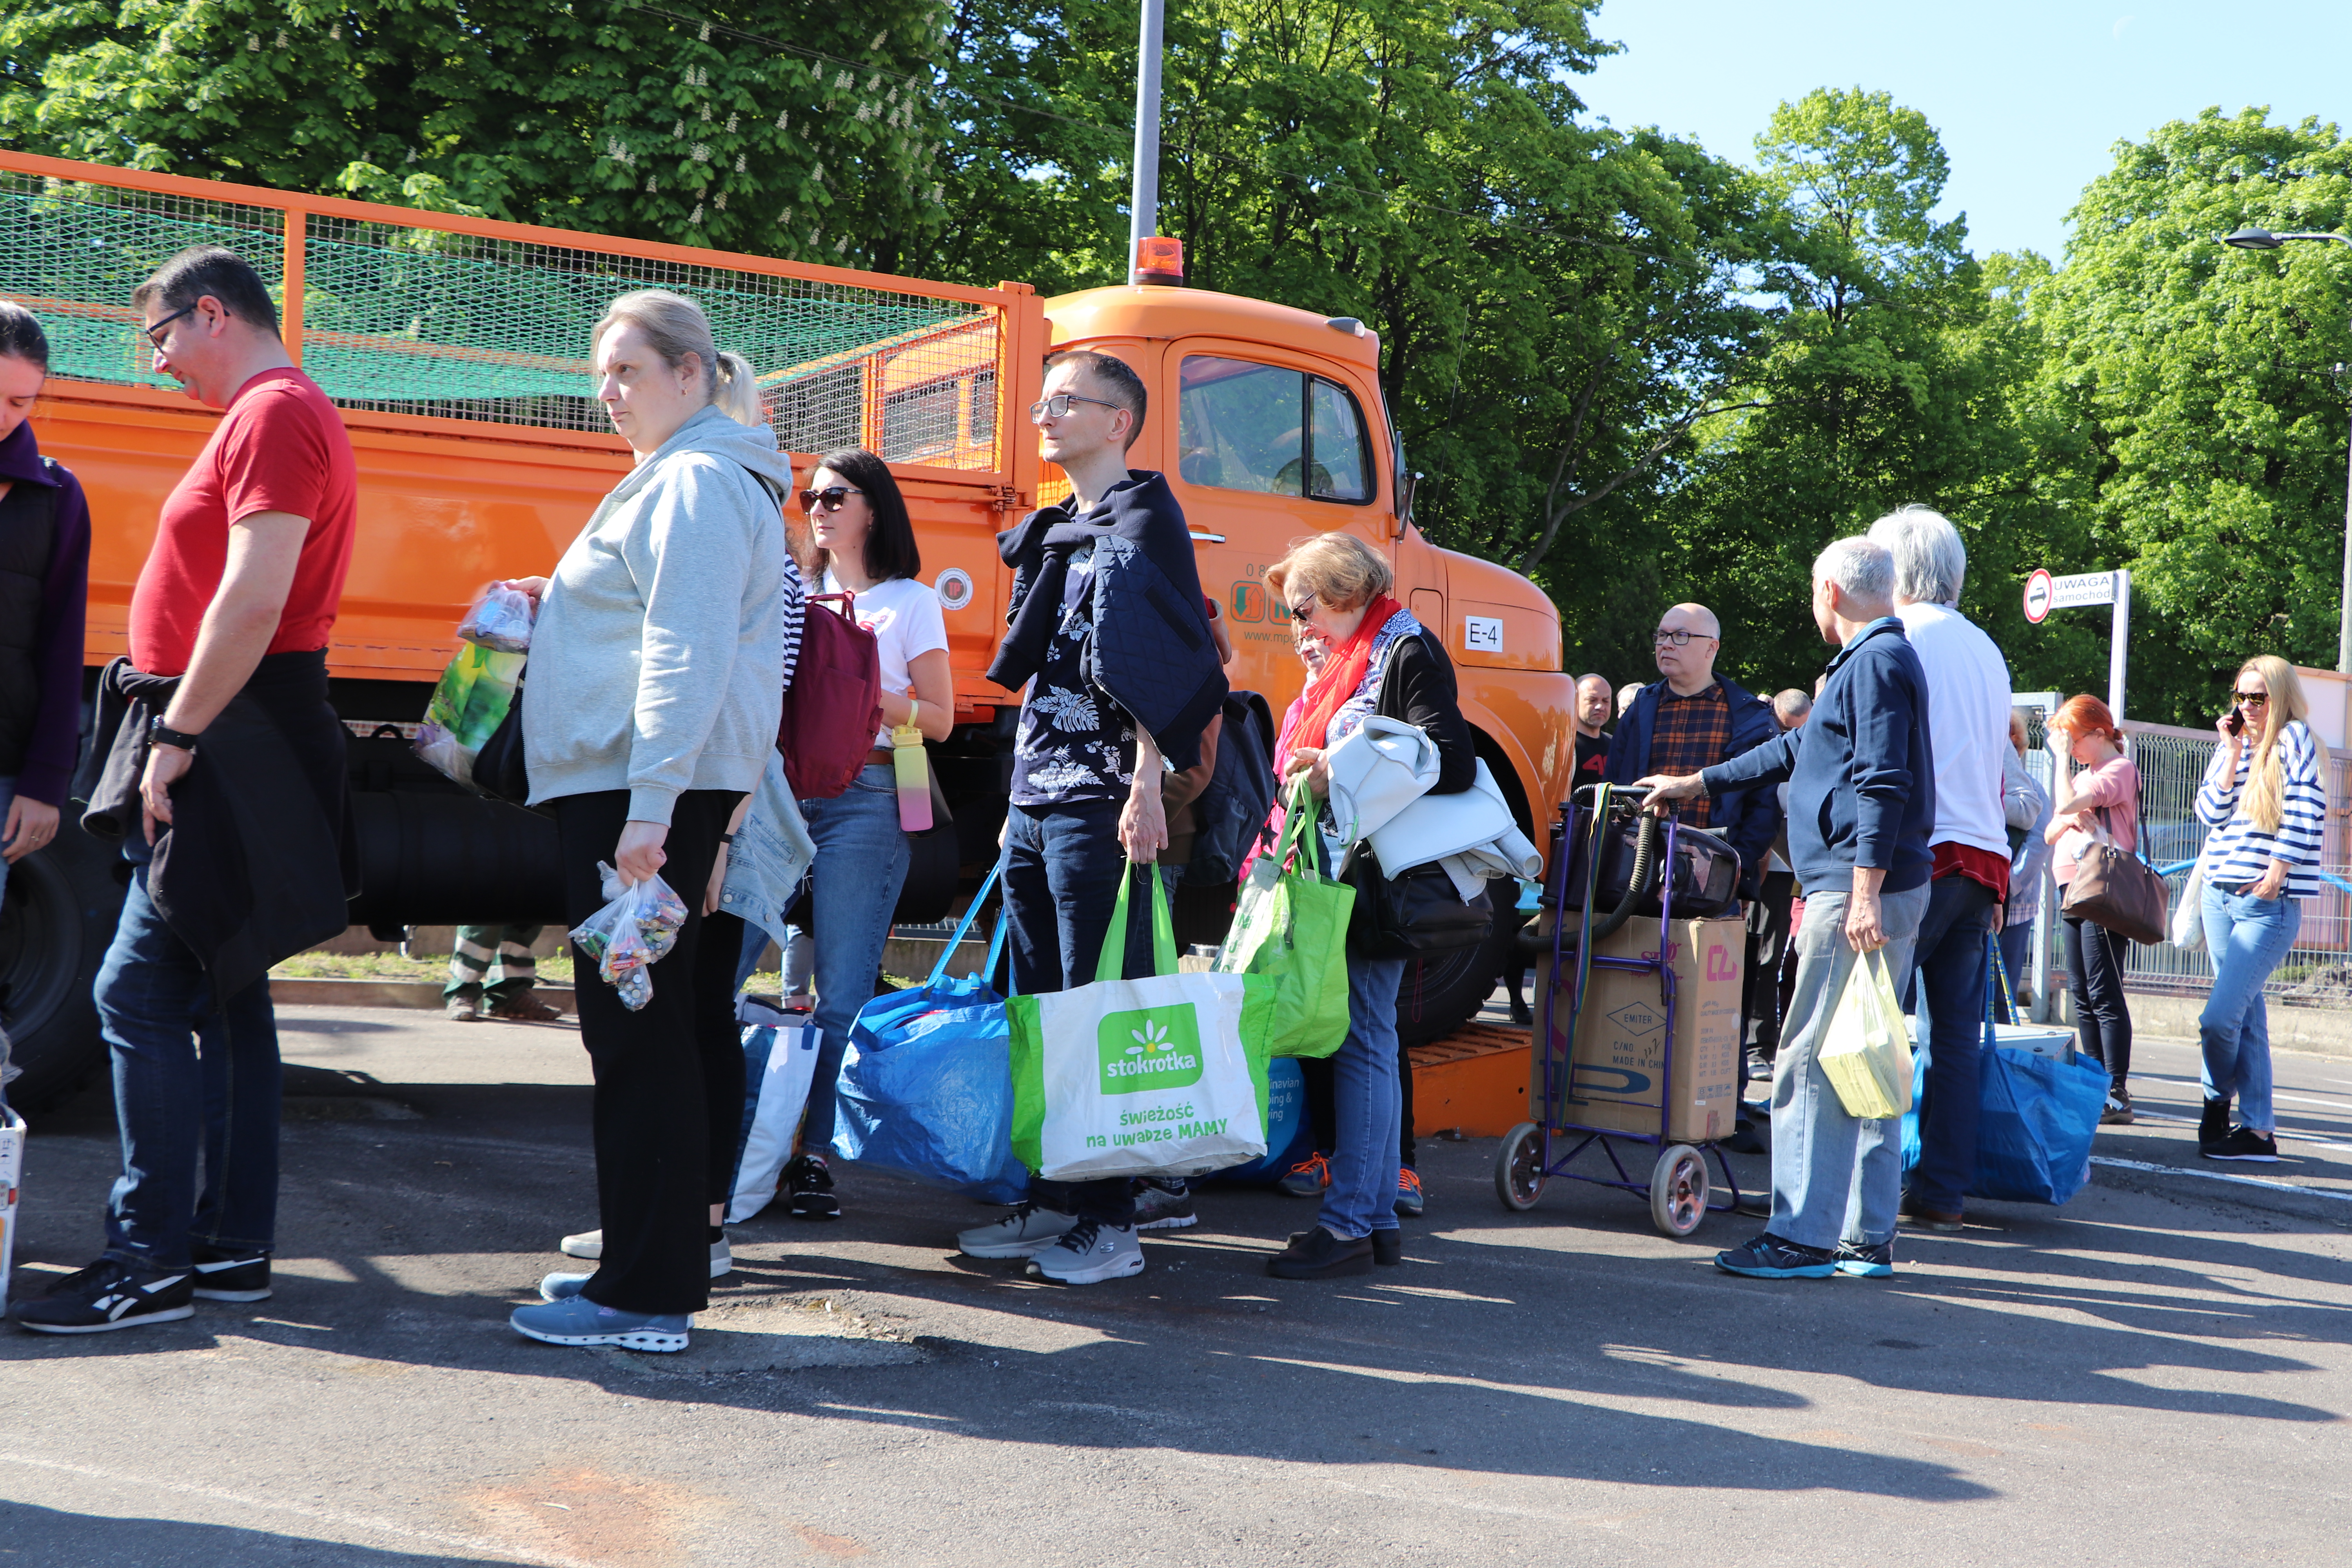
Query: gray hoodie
[(657, 665)]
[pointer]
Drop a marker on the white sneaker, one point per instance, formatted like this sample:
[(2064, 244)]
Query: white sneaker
[(1090, 1252), (1023, 1233), (590, 1244)]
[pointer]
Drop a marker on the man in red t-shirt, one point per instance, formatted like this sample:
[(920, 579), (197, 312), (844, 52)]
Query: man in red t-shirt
[(237, 602)]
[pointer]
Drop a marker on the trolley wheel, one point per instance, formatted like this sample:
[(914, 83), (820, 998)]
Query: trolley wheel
[(1678, 1190), (1518, 1168)]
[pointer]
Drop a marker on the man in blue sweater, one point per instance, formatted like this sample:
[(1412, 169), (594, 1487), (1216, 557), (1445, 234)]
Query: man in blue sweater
[(1862, 800)]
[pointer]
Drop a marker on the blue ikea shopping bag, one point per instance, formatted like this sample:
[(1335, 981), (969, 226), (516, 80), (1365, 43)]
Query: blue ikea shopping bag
[(1287, 1134), (2035, 1118), (926, 1088)]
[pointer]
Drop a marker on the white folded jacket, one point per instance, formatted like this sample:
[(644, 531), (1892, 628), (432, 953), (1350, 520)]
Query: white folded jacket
[(1471, 834), (1377, 772)]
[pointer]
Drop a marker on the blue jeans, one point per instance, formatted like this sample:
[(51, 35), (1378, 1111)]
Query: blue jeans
[(2247, 937), (1834, 1176), (1948, 974), (188, 1077), (861, 864), (1061, 869), (1367, 1102)]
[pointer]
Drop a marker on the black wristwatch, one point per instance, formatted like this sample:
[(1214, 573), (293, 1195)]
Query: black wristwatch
[(161, 734)]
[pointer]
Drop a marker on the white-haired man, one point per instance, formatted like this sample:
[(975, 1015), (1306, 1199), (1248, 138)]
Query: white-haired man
[(1967, 686), (1862, 796)]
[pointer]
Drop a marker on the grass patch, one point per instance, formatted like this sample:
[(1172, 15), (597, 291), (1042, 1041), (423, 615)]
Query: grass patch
[(555, 969)]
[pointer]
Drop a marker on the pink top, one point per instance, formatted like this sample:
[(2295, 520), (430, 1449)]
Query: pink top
[(2114, 784)]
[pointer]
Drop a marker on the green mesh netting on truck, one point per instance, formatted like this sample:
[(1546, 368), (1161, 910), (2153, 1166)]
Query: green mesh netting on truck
[(415, 320)]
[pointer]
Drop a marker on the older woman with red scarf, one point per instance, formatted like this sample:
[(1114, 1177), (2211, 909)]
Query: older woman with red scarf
[(1382, 661)]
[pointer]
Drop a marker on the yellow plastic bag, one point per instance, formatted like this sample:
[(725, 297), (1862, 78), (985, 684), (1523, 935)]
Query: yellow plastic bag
[(1867, 1051)]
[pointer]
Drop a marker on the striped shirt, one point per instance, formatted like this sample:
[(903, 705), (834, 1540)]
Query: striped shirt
[(2238, 852)]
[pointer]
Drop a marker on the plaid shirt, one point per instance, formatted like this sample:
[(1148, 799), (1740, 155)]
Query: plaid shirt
[(1690, 734)]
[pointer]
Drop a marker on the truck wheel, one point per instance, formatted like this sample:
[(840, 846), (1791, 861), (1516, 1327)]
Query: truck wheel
[(56, 924), (1439, 994)]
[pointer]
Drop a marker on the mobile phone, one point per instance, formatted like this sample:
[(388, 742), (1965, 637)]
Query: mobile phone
[(2237, 722)]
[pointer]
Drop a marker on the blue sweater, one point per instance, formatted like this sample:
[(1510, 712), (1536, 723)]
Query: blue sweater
[(1861, 772)]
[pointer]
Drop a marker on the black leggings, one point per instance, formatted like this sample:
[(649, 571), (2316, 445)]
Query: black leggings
[(2095, 973), (669, 1079)]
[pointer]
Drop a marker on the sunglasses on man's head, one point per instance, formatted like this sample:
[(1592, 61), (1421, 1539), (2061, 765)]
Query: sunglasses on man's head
[(829, 497)]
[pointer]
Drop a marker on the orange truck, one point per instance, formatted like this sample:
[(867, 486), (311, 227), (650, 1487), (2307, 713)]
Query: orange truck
[(457, 350)]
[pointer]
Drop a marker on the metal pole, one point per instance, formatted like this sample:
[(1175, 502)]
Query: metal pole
[(2118, 645), (2344, 602), (1143, 205)]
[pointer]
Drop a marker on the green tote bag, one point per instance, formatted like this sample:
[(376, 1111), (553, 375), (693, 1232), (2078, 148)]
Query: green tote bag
[(1290, 926)]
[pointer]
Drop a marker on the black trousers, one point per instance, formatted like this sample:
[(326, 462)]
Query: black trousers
[(2095, 973), (1760, 982), (669, 1079)]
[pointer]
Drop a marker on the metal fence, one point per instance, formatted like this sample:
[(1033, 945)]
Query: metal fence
[(2171, 762)]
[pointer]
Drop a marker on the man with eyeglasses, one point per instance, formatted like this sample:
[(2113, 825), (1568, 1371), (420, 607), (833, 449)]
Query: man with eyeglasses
[(1689, 720), (1105, 720), (220, 764)]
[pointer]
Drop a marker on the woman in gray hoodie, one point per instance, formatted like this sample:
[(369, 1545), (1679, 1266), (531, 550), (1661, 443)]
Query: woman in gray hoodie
[(655, 687)]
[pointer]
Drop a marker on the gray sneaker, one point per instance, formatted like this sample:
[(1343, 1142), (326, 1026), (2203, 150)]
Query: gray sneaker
[(1090, 1252), (1023, 1233), (1163, 1205)]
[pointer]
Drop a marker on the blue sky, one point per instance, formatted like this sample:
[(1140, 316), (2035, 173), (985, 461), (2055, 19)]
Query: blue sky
[(2029, 97)]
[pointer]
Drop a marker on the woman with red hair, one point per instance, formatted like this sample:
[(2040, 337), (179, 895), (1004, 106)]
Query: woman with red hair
[(2104, 795)]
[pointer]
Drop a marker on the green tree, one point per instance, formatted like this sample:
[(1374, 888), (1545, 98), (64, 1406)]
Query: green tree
[(2193, 405), (703, 129), (1893, 375)]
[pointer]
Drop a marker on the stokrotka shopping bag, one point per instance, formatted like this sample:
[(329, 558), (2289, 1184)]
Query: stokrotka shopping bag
[(1867, 1051), (1125, 1077), (1291, 926)]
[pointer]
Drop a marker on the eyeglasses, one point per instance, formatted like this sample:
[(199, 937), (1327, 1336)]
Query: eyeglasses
[(1680, 639), (1058, 406), (2253, 699), (154, 333), (831, 497), (1302, 610)]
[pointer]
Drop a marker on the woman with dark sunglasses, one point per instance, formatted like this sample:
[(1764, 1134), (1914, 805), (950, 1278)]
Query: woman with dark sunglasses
[(2264, 796), (864, 546)]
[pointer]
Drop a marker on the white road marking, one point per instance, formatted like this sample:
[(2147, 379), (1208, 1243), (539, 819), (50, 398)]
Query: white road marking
[(2220, 1176)]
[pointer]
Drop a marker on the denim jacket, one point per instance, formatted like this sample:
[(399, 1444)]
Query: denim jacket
[(772, 853)]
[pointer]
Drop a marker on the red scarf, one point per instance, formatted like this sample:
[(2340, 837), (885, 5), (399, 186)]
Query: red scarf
[(1309, 722)]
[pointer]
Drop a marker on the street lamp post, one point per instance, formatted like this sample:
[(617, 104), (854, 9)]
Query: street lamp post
[(2264, 239)]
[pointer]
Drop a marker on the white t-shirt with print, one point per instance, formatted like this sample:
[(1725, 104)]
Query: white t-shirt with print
[(904, 617)]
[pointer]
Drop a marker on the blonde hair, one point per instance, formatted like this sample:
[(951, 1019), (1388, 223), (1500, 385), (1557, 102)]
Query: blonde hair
[(2265, 779), (675, 327), (1340, 569)]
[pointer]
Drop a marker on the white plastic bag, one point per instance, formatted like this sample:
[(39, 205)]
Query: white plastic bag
[(635, 929), (2188, 932), (780, 1052), (1866, 1054), (501, 619)]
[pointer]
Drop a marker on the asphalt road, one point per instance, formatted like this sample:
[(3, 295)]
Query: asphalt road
[(2155, 1374)]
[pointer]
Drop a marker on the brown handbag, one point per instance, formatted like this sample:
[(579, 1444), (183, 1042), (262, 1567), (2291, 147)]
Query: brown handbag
[(2117, 891)]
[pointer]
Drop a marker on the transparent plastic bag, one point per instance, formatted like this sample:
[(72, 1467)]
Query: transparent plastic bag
[(636, 929), (501, 620)]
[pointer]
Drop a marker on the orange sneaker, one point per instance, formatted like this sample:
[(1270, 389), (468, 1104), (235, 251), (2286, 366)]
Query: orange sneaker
[(1310, 1178)]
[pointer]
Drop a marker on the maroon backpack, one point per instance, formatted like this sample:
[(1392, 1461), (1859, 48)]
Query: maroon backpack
[(833, 706)]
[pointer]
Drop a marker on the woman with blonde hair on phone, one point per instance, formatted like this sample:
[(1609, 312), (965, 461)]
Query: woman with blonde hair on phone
[(2265, 797)]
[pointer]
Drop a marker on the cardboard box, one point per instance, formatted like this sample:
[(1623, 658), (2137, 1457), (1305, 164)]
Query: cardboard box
[(12, 1167), (1621, 1041)]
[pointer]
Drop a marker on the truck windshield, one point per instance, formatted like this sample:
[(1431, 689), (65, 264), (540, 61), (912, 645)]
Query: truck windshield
[(1243, 425)]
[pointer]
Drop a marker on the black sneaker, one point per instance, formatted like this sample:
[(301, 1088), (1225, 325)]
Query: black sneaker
[(2244, 1143), (1388, 1246), (808, 1180), (1317, 1254), (2213, 1123), (1856, 1262), (1769, 1257), (1163, 1203), (110, 1295), (226, 1277)]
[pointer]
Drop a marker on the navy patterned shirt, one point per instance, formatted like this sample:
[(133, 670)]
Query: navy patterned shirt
[(1073, 743)]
